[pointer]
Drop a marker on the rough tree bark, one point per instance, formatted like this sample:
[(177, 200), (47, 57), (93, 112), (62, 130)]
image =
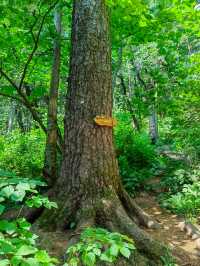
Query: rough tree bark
[(50, 162), (89, 191)]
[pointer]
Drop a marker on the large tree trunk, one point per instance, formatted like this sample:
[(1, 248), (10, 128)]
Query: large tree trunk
[(50, 162), (89, 190)]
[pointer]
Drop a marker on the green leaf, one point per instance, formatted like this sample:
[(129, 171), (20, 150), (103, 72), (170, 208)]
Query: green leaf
[(97, 251), (89, 258), (4, 173), (26, 250), (130, 246), (18, 195), (73, 261), (7, 191), (2, 208), (106, 257), (16, 260), (4, 262), (125, 252), (8, 227), (114, 250), (32, 262), (23, 186), (23, 224), (50, 205), (2, 199), (6, 248), (127, 238), (6, 21), (42, 256)]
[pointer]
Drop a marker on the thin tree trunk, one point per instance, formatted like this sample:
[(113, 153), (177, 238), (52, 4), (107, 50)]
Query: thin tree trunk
[(153, 125), (118, 66), (20, 118), (135, 121), (11, 117), (50, 165)]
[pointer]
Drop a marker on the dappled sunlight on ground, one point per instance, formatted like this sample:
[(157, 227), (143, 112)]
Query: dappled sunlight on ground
[(170, 231)]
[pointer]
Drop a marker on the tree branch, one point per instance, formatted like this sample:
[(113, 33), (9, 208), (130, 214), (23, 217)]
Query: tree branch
[(8, 79), (29, 106), (32, 27), (12, 97), (36, 41), (23, 98), (128, 102), (141, 80)]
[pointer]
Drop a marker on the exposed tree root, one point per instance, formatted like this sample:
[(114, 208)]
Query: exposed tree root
[(135, 211), (192, 231), (31, 214), (119, 215), (118, 220), (116, 212), (110, 214)]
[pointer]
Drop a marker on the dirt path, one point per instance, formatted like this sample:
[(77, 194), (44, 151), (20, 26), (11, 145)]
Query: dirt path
[(170, 233)]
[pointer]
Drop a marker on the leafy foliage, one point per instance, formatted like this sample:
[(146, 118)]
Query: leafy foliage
[(183, 197), (17, 242), (137, 158), (18, 245), (97, 244), (23, 153), (18, 190), (168, 259)]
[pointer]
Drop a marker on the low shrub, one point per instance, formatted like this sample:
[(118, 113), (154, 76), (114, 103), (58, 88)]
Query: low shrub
[(137, 157), (17, 243), (175, 179), (184, 195), (23, 153), (97, 244)]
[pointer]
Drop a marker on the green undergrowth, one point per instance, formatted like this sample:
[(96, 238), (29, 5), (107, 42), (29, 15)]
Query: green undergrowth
[(138, 158), (168, 259), (97, 244), (18, 245), (183, 196), (23, 154)]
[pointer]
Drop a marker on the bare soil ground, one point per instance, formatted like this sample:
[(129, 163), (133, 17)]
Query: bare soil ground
[(170, 233)]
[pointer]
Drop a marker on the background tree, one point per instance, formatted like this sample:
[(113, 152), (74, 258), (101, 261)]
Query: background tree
[(50, 164)]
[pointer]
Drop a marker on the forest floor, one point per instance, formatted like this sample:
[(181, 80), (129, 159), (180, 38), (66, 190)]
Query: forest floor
[(184, 247)]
